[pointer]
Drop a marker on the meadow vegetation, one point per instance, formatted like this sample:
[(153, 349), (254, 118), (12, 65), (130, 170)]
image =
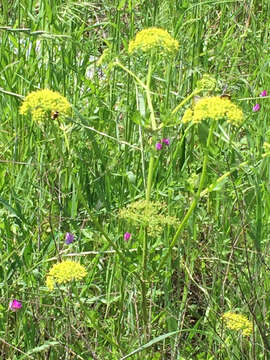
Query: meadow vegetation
[(134, 177)]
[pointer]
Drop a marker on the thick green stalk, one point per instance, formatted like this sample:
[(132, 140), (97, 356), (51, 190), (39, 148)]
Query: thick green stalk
[(196, 198), (195, 92), (139, 81), (149, 99), (154, 127), (148, 196), (144, 284), (150, 177)]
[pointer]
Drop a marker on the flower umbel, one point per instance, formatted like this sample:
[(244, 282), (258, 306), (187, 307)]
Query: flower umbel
[(64, 272), (206, 83), (41, 103), (153, 39), (214, 108), (15, 305), (149, 214), (238, 322), (158, 146), (266, 147), (263, 93)]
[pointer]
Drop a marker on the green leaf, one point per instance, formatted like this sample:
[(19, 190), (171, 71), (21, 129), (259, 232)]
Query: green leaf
[(121, 5), (141, 104), (43, 347), (150, 343), (10, 208)]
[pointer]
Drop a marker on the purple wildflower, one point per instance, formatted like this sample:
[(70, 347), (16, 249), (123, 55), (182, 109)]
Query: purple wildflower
[(15, 305), (166, 141), (158, 146), (263, 93), (256, 107), (127, 236), (69, 238)]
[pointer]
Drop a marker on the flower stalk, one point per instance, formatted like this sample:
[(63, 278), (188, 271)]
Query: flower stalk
[(183, 102), (196, 197)]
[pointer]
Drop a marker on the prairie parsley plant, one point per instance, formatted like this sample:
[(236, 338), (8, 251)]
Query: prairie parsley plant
[(206, 83), (214, 108), (41, 103), (64, 272), (149, 214), (151, 39), (238, 322)]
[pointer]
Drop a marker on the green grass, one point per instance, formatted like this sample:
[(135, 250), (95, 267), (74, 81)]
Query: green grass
[(153, 297)]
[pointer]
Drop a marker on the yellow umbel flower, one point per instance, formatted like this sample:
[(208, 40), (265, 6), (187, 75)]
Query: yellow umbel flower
[(206, 83), (64, 272), (238, 322), (153, 39), (214, 108), (44, 104), (266, 148), (149, 214)]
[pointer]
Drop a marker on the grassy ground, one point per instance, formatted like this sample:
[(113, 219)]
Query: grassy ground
[(162, 293)]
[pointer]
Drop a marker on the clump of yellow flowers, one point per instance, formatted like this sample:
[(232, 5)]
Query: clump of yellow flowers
[(214, 108), (238, 322), (42, 104), (149, 214), (153, 39), (64, 272)]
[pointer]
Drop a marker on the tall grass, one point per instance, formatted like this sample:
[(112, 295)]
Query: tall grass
[(151, 297)]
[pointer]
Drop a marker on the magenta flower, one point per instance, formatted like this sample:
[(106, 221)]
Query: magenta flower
[(158, 146), (69, 238), (14, 305), (263, 93), (166, 141), (256, 107), (127, 236)]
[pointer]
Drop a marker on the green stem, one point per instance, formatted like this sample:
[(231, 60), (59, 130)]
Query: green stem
[(143, 283), (148, 97), (111, 243), (195, 92), (148, 196), (154, 127), (196, 198), (139, 81), (150, 177)]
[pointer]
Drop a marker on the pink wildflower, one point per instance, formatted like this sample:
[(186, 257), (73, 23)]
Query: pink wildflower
[(15, 305), (127, 236), (256, 107)]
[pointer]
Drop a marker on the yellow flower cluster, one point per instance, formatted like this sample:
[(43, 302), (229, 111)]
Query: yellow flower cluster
[(153, 39), (266, 148), (214, 108), (238, 322), (41, 103), (206, 83), (64, 272), (149, 214)]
